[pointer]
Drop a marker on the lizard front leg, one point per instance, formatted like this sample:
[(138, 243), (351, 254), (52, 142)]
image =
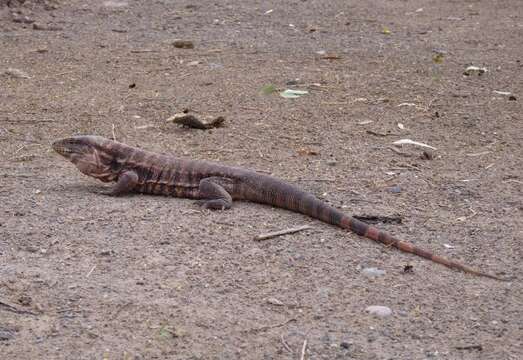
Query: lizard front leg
[(125, 184), (213, 194)]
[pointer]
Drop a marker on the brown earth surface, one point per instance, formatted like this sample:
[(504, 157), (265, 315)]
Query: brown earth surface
[(86, 276)]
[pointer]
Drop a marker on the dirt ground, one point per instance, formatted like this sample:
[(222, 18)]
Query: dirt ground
[(86, 276)]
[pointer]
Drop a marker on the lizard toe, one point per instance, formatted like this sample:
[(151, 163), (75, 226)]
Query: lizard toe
[(215, 204)]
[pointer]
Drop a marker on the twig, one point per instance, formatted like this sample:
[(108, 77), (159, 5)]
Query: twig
[(285, 345), (376, 133), (399, 152), (139, 51), (267, 327), (120, 309), (14, 309), (217, 150), (281, 232), (143, 127), (478, 347), (405, 166), (26, 157), (159, 69), (317, 180), (114, 135), (18, 150), (22, 148), (514, 181), (463, 218), (64, 73), (479, 154), (224, 223), (251, 138), (205, 53), (249, 108), (190, 212), (303, 348), (90, 271), (31, 121), (412, 142)]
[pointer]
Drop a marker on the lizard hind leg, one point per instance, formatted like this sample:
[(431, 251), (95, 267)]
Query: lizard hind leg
[(126, 183), (213, 194)]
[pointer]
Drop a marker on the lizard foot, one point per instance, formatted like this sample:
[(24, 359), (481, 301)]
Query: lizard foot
[(215, 204), (108, 192)]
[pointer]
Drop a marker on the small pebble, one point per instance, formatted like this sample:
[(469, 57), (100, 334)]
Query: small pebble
[(42, 27), (475, 70), (116, 4), (6, 334), (408, 269), (49, 7), (274, 301), (179, 332), (215, 66), (22, 19), (396, 189), (345, 345), (379, 311), (25, 300), (16, 73), (183, 44), (373, 272), (427, 155), (31, 249)]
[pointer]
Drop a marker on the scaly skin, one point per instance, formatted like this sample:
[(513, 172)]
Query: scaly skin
[(215, 186)]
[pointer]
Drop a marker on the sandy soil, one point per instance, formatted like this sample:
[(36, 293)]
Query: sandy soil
[(86, 276)]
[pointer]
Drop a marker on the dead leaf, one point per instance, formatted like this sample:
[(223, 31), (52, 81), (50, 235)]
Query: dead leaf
[(192, 121)]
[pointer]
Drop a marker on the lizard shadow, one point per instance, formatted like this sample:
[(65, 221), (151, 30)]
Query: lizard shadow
[(79, 188)]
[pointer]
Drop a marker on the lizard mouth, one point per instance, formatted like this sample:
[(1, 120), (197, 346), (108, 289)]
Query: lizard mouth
[(62, 149), (59, 148)]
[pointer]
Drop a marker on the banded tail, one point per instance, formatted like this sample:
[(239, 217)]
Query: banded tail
[(284, 195), (371, 232)]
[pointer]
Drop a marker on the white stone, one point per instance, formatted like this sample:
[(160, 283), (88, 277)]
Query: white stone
[(116, 4), (379, 311), (373, 272)]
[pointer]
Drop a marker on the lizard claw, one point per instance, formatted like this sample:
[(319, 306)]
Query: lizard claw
[(105, 192), (200, 202), (214, 204), (109, 192)]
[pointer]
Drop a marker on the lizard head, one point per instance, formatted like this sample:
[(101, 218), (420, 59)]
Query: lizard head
[(91, 154)]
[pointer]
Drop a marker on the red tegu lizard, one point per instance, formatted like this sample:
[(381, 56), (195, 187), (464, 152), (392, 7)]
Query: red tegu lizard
[(215, 186)]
